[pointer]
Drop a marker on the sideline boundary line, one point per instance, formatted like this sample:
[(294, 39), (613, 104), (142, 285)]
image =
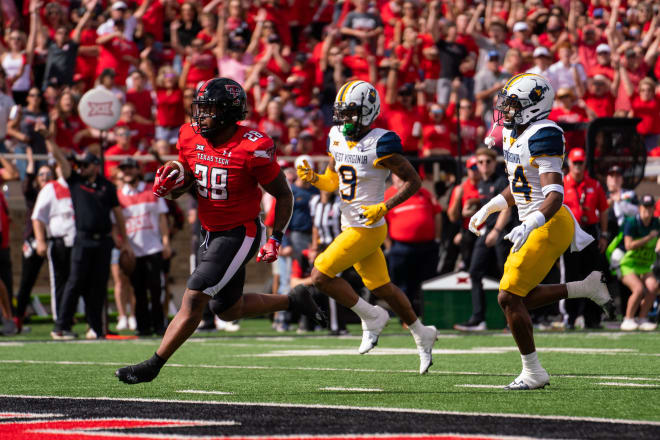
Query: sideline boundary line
[(346, 407)]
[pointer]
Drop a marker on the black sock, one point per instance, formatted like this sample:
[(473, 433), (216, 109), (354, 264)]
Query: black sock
[(157, 361)]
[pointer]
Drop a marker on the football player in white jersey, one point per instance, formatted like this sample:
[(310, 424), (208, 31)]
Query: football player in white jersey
[(361, 159), (533, 150)]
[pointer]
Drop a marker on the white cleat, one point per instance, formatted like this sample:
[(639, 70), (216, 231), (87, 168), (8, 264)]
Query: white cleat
[(529, 381), (629, 325), (372, 328), (425, 343)]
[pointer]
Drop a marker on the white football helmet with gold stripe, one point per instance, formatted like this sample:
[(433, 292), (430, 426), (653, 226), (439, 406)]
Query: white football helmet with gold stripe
[(525, 98), (357, 105)]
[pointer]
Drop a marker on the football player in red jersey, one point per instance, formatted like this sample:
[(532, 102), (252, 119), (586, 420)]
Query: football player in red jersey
[(229, 163)]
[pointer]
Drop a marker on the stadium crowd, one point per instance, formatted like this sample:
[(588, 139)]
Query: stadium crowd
[(437, 65)]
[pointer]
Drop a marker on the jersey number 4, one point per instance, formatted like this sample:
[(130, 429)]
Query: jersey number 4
[(520, 184), (218, 187)]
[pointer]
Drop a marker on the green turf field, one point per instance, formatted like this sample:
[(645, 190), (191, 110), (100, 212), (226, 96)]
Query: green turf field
[(594, 374)]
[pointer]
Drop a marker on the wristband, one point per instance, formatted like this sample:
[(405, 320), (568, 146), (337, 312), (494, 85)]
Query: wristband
[(553, 187), (277, 236)]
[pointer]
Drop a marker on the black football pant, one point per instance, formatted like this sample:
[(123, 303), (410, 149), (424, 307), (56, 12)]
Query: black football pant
[(410, 264), (577, 265), (5, 272), (90, 269), (30, 267), (485, 261), (148, 308)]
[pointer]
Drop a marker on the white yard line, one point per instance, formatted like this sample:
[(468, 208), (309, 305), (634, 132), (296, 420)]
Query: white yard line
[(362, 390), (475, 385), (348, 370), (628, 384), (220, 393), (354, 408)]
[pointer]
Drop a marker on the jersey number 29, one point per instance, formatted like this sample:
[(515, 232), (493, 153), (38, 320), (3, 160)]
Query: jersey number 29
[(218, 182)]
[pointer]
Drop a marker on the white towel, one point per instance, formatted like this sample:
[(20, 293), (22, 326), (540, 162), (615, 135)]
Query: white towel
[(580, 238)]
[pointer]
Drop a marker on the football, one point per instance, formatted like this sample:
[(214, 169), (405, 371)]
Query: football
[(188, 180)]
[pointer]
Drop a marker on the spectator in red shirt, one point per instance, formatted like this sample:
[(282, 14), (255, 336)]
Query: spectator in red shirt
[(472, 127), (272, 124), (404, 116), (139, 96), (569, 111), (599, 97), (391, 15), (198, 66), (141, 130), (438, 137), (632, 70), (603, 64), (646, 105), (554, 34), (67, 127), (414, 229), (208, 21), (408, 53), (521, 41), (169, 105), (123, 146), (117, 53)]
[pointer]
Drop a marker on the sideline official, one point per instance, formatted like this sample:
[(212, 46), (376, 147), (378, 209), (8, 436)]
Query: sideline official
[(94, 198)]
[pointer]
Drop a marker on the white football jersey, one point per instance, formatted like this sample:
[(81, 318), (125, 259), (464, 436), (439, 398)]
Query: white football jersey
[(542, 139), (361, 179)]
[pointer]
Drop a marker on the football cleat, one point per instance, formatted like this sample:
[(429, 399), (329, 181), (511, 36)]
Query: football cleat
[(425, 347), (528, 381), (372, 329), (300, 299), (143, 372)]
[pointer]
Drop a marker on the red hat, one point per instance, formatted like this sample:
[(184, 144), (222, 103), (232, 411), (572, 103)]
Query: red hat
[(471, 162), (577, 155)]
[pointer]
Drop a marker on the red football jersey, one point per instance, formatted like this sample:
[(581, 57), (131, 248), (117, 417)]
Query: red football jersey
[(228, 176)]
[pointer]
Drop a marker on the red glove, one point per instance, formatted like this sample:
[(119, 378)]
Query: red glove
[(168, 178), (268, 252)]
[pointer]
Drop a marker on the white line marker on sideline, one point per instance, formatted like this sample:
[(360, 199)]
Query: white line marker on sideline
[(624, 384), (361, 390), (475, 385), (222, 393), (353, 408)]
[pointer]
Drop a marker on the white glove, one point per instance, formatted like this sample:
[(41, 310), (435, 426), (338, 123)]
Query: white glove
[(497, 204), (518, 235)]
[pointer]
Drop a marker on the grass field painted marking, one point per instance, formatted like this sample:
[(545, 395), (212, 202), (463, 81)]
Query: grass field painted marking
[(628, 384), (362, 390), (475, 385), (412, 351), (348, 370), (220, 393), (354, 408)]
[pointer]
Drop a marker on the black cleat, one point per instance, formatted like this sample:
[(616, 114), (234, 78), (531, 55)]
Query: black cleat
[(142, 372), (301, 301)]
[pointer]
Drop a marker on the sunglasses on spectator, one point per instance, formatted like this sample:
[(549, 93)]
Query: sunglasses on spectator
[(578, 162), (484, 161), (15, 38)]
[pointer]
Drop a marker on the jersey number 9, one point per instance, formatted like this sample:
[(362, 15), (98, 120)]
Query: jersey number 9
[(348, 176)]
